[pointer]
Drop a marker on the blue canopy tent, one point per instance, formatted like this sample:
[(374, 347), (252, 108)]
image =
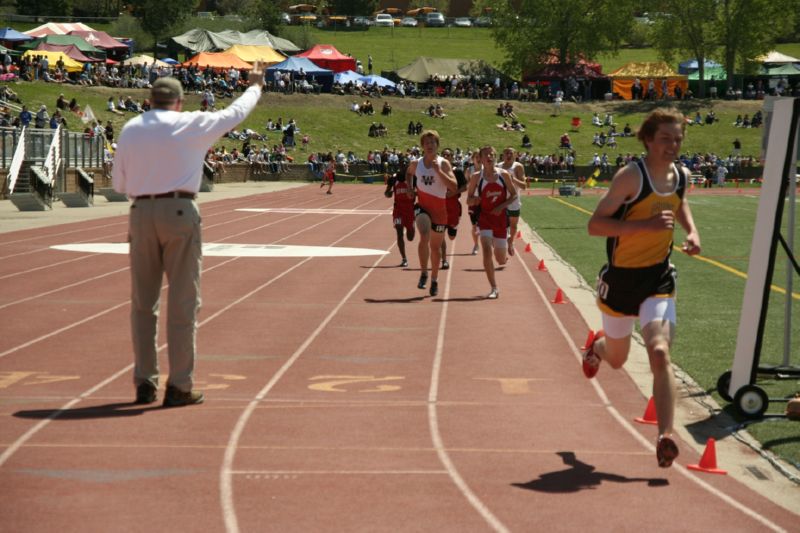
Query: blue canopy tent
[(171, 61), (692, 65), (380, 80), (13, 36), (347, 76), (294, 65)]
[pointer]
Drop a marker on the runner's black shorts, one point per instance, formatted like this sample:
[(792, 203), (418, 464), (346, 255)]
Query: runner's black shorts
[(620, 291)]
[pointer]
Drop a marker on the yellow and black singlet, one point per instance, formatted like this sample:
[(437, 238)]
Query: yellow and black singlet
[(647, 248), (638, 265)]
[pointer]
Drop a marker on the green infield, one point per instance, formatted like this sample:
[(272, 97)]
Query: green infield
[(710, 292)]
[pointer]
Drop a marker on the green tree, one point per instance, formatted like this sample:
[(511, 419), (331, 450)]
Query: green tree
[(353, 7), (686, 26), (57, 8), (748, 28), (529, 30), (157, 16), (265, 15)]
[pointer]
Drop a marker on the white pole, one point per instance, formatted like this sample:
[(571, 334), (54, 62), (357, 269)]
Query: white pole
[(787, 315)]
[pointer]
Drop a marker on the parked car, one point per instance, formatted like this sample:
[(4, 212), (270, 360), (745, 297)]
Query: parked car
[(384, 19), (462, 22), (434, 20), (409, 22), (483, 22), (362, 21), (285, 18)]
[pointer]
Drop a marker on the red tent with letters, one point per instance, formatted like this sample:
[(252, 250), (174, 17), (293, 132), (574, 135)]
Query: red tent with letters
[(328, 57)]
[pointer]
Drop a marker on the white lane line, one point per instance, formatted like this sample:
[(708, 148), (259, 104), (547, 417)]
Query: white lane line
[(433, 420), (338, 472), (19, 442), (226, 481), (355, 211), (63, 287), (629, 427)]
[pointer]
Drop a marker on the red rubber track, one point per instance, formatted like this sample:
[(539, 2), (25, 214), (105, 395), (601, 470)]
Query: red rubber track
[(339, 397)]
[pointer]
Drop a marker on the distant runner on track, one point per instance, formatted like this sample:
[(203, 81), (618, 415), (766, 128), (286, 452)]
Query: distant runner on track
[(403, 210), (433, 177)]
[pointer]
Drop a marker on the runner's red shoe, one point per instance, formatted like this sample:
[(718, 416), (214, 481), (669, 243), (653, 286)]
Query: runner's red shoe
[(666, 451), (591, 361)]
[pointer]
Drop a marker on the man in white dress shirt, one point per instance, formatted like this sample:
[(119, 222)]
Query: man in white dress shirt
[(158, 164)]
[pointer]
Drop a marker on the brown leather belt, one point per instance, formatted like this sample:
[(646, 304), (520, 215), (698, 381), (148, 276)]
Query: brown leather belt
[(173, 194)]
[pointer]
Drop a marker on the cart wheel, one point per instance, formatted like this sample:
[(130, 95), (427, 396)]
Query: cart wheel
[(723, 384), (751, 401)]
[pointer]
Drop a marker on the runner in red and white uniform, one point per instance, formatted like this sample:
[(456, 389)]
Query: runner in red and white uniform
[(403, 210), (517, 173), (454, 208), (433, 177), (493, 189)]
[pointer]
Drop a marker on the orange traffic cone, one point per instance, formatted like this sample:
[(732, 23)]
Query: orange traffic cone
[(708, 463), (650, 416), (589, 340), (559, 299), (519, 234), (541, 266), (528, 248)]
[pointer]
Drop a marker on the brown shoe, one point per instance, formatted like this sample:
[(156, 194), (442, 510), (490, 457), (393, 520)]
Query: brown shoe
[(177, 398), (145, 393)]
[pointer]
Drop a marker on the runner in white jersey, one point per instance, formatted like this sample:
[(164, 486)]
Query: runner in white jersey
[(517, 172), (432, 177)]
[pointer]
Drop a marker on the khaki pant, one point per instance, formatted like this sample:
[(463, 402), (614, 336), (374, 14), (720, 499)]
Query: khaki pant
[(165, 237)]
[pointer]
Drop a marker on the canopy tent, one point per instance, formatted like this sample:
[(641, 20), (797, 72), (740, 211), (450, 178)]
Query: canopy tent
[(219, 60), (327, 56), (302, 8), (784, 70), (423, 68), (776, 57), (252, 53), (379, 80), (13, 36), (718, 73), (200, 40), (347, 76), (421, 11), (298, 64), (558, 71), (53, 28), (52, 57), (622, 79), (101, 40), (170, 61), (553, 58), (65, 40), (692, 65), (145, 60), (71, 50)]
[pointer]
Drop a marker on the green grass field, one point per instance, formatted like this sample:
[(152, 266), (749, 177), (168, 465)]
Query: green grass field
[(470, 123), (709, 297)]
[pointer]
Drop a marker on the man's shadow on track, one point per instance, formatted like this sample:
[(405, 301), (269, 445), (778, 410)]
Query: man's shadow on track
[(111, 410), (394, 300), (579, 477)]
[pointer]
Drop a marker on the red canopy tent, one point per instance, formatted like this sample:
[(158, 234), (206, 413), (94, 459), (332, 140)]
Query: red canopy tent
[(69, 50), (100, 39), (328, 57)]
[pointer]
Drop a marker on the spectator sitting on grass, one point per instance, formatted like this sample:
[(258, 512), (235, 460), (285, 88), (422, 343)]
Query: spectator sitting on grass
[(387, 109), (596, 120), (355, 108), (565, 141)]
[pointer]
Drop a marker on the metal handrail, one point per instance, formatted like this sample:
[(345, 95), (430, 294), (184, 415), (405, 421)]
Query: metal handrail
[(52, 161), (16, 161)]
